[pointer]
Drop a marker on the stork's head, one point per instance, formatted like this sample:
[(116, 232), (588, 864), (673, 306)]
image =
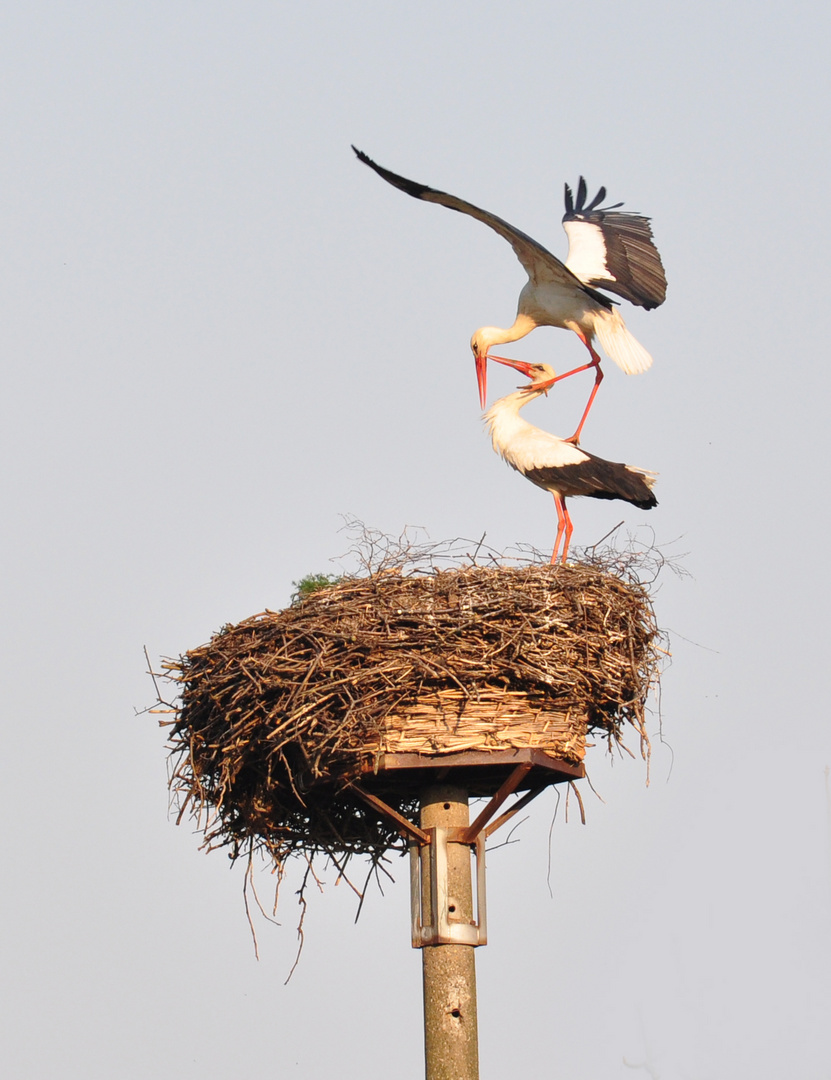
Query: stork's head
[(542, 376)]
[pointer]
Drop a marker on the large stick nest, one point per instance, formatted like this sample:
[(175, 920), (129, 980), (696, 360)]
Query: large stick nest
[(279, 714)]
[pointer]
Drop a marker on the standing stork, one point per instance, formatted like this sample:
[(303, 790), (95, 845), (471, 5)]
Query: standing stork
[(608, 249), (557, 465)]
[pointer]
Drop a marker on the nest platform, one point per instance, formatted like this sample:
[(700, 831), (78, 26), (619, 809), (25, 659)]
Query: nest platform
[(392, 681)]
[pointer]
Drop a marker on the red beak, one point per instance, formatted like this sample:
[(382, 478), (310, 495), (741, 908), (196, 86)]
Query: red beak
[(482, 379), (527, 371), (518, 365)]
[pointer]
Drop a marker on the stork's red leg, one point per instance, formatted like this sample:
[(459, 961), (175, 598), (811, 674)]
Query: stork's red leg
[(569, 531), (564, 525), (561, 524), (598, 379)]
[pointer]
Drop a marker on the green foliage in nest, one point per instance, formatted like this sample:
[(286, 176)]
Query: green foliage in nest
[(313, 583)]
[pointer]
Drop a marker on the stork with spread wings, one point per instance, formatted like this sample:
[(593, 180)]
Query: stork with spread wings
[(608, 249)]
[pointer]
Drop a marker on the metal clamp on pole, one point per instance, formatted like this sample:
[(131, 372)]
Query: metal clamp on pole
[(435, 913), (429, 881)]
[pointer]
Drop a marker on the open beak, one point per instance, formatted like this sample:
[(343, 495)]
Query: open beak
[(482, 378)]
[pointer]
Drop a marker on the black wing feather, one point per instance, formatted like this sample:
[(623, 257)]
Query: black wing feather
[(538, 262), (597, 200), (582, 191), (635, 269), (598, 479), (632, 257)]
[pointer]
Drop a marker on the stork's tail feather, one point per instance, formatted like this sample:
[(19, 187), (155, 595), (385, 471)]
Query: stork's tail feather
[(644, 479), (618, 481), (620, 345)]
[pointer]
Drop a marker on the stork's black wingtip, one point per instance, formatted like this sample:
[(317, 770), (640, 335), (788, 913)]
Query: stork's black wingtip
[(597, 200), (582, 192), (361, 156)]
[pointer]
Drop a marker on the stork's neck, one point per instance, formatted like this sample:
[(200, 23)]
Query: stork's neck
[(503, 419), (487, 336)]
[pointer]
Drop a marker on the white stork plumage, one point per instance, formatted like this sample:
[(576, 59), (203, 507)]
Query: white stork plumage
[(557, 465), (608, 249)]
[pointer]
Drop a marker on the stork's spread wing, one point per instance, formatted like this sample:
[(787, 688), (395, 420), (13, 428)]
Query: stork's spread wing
[(613, 249), (540, 264)]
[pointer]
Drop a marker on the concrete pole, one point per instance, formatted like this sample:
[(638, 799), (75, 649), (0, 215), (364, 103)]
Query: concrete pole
[(451, 1037)]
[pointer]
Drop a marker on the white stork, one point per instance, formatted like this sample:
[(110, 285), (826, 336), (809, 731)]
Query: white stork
[(557, 465), (609, 249)]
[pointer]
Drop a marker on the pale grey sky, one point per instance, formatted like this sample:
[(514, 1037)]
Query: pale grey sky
[(220, 333)]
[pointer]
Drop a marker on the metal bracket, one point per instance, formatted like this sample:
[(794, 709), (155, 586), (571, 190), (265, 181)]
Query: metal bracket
[(428, 863), (508, 787), (405, 827)]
